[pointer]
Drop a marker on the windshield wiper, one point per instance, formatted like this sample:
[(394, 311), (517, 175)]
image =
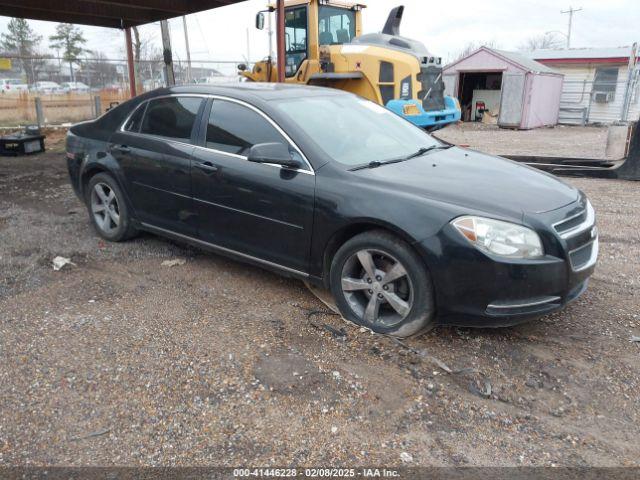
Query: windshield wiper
[(419, 153)]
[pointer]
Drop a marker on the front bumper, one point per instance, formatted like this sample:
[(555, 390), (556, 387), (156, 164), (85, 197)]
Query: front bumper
[(478, 290), (424, 119)]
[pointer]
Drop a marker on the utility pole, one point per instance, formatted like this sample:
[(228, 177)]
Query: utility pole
[(130, 64), (571, 11), (186, 41), (167, 54)]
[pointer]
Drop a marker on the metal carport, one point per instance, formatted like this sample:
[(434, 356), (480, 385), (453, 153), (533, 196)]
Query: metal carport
[(124, 14)]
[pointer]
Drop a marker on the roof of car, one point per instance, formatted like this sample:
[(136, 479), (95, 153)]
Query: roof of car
[(264, 91)]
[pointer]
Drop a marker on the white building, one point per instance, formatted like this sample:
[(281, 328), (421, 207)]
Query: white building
[(598, 87)]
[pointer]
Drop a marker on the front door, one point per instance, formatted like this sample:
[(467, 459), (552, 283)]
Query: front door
[(154, 153), (260, 210), (296, 44)]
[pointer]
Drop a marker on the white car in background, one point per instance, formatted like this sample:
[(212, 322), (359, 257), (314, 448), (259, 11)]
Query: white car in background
[(47, 88), (75, 87), (12, 85)]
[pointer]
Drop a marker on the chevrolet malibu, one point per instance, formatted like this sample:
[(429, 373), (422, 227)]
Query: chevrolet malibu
[(406, 231)]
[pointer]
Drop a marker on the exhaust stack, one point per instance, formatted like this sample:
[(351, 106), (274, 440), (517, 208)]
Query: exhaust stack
[(392, 27)]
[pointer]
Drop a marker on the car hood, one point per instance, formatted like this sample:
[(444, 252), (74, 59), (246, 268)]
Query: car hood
[(477, 181)]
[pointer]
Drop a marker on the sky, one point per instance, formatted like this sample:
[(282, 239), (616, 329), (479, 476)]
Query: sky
[(445, 28)]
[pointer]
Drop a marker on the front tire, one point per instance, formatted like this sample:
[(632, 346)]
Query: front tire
[(378, 281), (108, 209)]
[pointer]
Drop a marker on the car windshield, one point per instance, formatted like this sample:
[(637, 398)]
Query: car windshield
[(354, 131)]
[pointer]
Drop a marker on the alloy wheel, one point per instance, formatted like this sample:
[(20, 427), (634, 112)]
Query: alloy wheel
[(377, 287), (105, 208)]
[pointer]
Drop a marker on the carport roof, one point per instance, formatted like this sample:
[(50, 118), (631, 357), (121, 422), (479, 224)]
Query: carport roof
[(107, 13)]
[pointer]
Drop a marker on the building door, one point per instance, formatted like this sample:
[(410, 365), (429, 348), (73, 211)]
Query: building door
[(512, 100), (450, 82)]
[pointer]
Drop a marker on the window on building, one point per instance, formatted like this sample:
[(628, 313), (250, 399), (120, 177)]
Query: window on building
[(171, 117), (336, 25), (606, 79)]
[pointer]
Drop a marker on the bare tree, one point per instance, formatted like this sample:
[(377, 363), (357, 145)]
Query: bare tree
[(473, 46), (145, 54), (39, 63), (104, 71), (549, 40)]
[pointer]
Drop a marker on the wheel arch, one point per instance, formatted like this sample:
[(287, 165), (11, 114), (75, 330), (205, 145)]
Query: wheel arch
[(347, 232), (92, 169)]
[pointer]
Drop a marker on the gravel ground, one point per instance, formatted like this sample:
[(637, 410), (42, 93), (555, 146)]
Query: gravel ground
[(561, 140), (118, 360)]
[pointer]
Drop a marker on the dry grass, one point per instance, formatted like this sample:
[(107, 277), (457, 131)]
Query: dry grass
[(71, 107)]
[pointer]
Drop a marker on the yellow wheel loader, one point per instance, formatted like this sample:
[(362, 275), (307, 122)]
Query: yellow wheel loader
[(324, 46)]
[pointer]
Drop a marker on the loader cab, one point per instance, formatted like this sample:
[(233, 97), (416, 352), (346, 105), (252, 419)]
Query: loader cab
[(310, 24), (336, 25)]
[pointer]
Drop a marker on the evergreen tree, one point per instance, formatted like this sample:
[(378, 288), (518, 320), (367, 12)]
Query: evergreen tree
[(70, 40), (20, 40)]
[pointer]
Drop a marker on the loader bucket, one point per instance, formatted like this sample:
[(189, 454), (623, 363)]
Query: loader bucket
[(627, 168)]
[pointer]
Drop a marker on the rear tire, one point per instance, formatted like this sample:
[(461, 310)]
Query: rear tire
[(378, 281), (108, 209)]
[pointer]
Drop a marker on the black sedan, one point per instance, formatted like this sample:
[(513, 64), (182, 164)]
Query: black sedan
[(319, 184)]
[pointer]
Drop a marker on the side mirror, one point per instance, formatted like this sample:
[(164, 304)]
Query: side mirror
[(260, 21), (276, 153)]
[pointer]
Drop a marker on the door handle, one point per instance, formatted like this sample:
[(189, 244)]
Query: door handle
[(207, 167), (121, 149)]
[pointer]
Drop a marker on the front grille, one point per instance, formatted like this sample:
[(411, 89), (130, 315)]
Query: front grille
[(581, 237), (581, 257), (432, 93), (576, 224), (570, 223)]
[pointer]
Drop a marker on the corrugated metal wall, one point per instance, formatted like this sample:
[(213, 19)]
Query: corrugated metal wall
[(576, 98)]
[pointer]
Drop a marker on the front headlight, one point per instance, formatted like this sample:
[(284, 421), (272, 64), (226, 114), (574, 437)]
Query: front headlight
[(500, 238)]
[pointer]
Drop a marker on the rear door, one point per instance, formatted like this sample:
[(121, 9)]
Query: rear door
[(260, 210), (154, 153)]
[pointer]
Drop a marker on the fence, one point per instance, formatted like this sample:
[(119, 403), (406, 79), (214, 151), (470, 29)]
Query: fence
[(68, 94), (55, 109)]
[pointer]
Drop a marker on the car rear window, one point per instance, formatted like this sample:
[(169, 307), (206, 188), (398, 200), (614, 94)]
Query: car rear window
[(171, 118)]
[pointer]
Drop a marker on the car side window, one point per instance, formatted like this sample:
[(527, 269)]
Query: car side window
[(134, 122), (234, 128), (171, 117)]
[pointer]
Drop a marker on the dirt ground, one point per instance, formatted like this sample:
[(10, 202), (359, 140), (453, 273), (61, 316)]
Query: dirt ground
[(561, 140), (118, 360)]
